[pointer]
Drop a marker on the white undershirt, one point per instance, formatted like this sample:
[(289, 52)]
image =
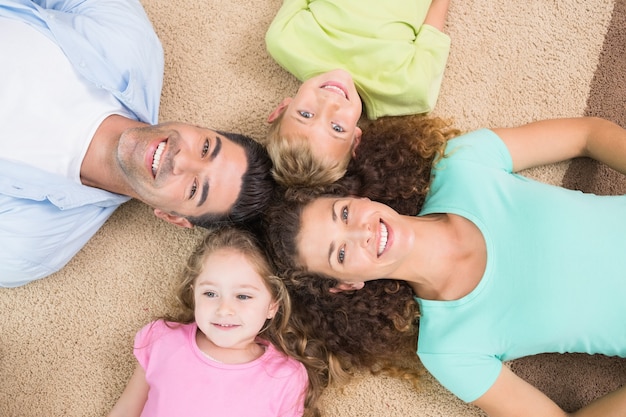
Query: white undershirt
[(48, 112)]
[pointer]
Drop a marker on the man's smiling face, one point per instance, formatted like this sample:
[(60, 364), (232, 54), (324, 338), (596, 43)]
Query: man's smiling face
[(182, 169)]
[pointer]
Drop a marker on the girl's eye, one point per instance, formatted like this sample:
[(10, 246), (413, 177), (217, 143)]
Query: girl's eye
[(344, 214), (194, 188), (205, 148), (337, 128), (341, 254), (305, 114), (209, 294), (243, 297)]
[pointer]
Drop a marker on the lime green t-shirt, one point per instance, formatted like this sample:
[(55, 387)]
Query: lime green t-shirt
[(396, 61), (555, 278)]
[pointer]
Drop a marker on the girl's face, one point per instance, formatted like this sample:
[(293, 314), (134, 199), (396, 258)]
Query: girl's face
[(352, 239), (232, 301)]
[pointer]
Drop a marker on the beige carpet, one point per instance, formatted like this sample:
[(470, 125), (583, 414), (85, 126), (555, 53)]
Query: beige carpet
[(65, 342)]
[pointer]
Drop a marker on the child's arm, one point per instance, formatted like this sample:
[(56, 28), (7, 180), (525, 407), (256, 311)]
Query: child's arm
[(133, 399), (511, 396), (550, 141), (437, 13)]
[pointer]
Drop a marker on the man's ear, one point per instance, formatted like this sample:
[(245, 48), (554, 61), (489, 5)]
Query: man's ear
[(172, 218), (347, 286), (357, 140), (279, 109)]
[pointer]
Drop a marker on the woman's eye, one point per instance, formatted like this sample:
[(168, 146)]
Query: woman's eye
[(344, 214), (194, 188), (341, 254), (337, 128), (305, 114), (205, 148)]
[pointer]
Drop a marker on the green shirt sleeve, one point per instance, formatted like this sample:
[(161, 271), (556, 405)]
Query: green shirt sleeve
[(396, 61)]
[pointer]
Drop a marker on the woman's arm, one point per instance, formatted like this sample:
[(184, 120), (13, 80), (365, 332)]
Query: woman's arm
[(511, 396), (134, 397), (437, 13), (550, 141)]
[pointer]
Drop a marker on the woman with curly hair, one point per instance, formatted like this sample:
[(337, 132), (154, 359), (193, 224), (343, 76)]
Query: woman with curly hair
[(499, 264)]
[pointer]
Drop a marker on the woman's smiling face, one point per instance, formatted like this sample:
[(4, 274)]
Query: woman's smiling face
[(352, 239)]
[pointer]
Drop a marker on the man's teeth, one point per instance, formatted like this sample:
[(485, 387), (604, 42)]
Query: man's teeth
[(383, 238), (337, 89), (157, 157)]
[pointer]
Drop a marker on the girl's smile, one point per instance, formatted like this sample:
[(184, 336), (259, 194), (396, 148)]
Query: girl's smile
[(232, 304)]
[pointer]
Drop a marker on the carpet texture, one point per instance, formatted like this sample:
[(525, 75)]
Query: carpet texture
[(66, 341)]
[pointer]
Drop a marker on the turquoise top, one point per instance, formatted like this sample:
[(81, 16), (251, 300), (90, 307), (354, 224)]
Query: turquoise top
[(555, 278)]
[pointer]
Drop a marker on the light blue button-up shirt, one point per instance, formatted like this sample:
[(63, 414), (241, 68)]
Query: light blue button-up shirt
[(46, 219)]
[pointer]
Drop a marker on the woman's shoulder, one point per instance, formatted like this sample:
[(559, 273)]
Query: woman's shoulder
[(483, 134), (482, 145)]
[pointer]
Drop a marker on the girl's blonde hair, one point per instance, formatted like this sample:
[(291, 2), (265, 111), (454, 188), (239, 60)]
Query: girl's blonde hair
[(294, 162)]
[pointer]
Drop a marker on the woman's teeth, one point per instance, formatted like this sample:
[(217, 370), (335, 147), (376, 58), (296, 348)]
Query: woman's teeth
[(383, 238), (157, 157)]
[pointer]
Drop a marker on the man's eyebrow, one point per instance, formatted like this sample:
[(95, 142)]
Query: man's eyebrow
[(217, 148), (205, 193), (205, 185), (331, 249)]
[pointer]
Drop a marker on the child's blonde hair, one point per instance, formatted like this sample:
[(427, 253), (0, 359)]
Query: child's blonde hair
[(294, 162)]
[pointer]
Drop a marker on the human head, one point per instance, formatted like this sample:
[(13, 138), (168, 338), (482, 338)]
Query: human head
[(257, 186), (350, 329), (314, 134), (240, 241), (350, 239), (193, 175), (347, 330)]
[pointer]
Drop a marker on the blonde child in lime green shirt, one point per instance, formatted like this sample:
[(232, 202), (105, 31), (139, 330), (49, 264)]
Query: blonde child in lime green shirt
[(393, 55)]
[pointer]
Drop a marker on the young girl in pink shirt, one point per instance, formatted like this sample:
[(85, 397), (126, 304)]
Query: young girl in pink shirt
[(223, 351)]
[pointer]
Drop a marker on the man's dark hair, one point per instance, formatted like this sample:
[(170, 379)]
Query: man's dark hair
[(257, 186)]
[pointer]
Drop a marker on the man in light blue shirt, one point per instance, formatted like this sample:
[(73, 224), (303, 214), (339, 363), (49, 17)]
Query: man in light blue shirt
[(81, 83)]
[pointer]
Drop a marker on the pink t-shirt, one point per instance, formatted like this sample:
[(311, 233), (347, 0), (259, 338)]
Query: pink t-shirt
[(184, 382)]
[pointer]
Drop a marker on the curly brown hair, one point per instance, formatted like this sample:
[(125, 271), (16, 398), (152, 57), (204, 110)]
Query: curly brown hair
[(278, 330), (393, 163), (375, 327)]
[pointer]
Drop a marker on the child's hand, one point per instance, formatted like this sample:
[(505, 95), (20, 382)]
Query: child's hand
[(437, 13)]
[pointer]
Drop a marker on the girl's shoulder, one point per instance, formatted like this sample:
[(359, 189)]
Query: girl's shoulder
[(279, 363), (158, 329)]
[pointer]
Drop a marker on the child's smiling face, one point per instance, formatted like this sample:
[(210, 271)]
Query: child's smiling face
[(232, 303), (325, 110)]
